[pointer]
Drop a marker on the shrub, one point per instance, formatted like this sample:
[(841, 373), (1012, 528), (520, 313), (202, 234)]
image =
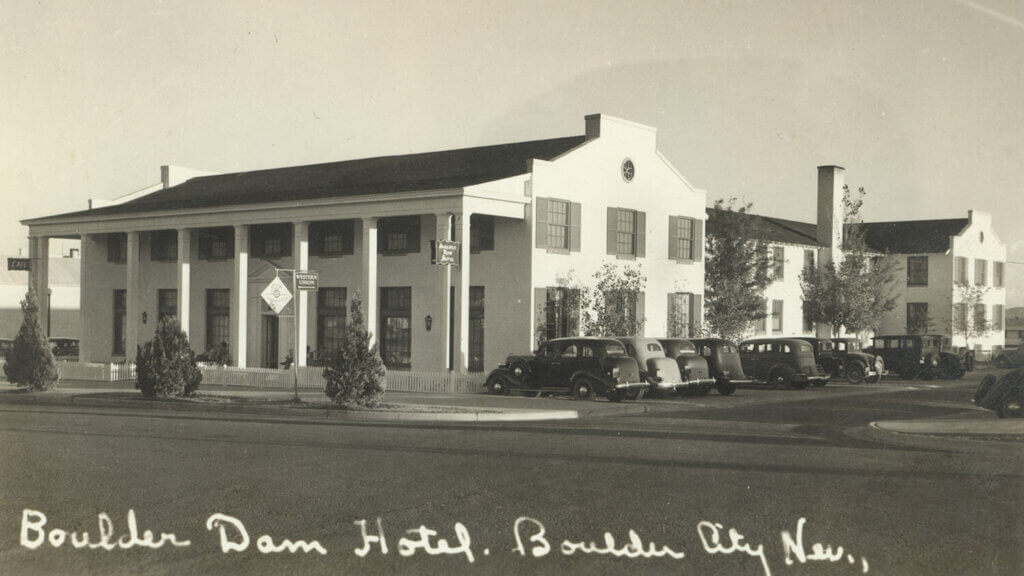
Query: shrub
[(356, 374), (30, 364), (166, 365)]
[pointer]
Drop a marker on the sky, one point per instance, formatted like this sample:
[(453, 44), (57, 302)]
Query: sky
[(920, 101)]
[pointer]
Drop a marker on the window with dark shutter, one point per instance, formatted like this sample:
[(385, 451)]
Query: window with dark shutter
[(271, 241), (683, 238), (163, 246), (481, 233), (398, 236), (332, 238), (216, 243), (626, 232), (117, 248)]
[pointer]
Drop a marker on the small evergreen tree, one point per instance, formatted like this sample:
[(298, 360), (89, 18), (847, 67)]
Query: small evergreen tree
[(356, 374), (166, 365), (735, 272), (613, 304), (31, 364)]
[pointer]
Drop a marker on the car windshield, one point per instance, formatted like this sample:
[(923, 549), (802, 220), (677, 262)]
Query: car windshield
[(853, 344), (614, 348), (728, 349)]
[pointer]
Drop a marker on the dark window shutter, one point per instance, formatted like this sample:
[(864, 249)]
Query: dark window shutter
[(612, 229), (348, 237), (204, 247), (641, 234), (575, 213), (316, 239), (673, 238), (574, 311), (540, 316), (542, 222), (641, 309), (695, 309), (698, 240)]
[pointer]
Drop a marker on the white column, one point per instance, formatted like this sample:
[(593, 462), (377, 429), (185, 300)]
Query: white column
[(184, 280), (444, 232), (462, 292), (132, 314), (85, 346), (369, 279), (240, 299), (39, 277), (301, 246)]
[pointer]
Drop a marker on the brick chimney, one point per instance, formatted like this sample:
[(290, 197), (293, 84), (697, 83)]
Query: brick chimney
[(830, 211)]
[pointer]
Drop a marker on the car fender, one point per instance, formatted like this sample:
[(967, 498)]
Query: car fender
[(505, 374)]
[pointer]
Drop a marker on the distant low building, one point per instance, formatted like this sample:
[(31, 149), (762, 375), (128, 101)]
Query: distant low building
[(65, 274)]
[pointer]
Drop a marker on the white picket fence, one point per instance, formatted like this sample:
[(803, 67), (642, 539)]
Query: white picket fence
[(270, 378)]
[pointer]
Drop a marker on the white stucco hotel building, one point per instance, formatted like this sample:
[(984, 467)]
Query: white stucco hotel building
[(932, 257), (202, 248)]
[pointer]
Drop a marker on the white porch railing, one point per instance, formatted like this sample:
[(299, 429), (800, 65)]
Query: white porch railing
[(105, 372)]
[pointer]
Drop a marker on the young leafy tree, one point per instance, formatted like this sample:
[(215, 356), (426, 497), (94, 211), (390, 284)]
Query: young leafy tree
[(356, 375), (570, 311), (735, 272), (614, 307), (967, 322), (31, 364), (166, 365), (857, 292)]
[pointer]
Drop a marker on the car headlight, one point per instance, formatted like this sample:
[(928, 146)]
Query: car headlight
[(615, 372)]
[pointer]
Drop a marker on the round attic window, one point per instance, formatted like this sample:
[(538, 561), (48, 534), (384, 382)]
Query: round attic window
[(628, 170)]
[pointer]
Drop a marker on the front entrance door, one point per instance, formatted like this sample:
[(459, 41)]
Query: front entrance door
[(270, 336)]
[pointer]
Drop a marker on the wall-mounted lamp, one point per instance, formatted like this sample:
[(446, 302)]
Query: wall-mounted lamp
[(144, 317), (428, 321)]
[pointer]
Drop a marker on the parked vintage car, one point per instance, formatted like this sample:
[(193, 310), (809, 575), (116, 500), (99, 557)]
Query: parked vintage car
[(1010, 358), (64, 348), (1004, 395), (724, 364), (659, 371), (845, 358), (919, 356), (692, 366), (583, 367), (785, 362)]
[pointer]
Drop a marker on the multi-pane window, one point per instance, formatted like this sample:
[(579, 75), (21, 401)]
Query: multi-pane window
[(481, 233), (762, 323), (334, 238), (808, 262), (679, 322), (166, 303), (625, 227), (218, 317), (998, 279), (271, 240), (117, 248), (979, 318), (396, 325), (997, 317), (216, 243), (562, 312), (778, 262), (558, 224), (400, 235), (917, 270), (163, 246), (476, 328), (777, 316), (330, 319), (981, 272), (961, 270), (917, 317), (120, 320), (684, 238)]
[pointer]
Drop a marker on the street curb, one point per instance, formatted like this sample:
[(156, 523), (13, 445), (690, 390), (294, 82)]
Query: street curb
[(949, 443), (471, 413)]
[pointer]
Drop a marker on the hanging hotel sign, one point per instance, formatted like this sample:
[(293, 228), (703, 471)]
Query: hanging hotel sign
[(306, 280), (446, 253), (276, 295), (21, 264)]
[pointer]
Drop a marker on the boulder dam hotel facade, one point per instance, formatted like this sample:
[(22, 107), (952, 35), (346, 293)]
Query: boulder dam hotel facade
[(525, 214)]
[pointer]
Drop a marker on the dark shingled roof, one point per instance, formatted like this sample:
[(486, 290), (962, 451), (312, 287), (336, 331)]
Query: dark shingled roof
[(905, 237), (405, 173), (912, 236), (773, 229)]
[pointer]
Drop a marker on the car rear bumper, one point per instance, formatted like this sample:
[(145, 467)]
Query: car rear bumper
[(697, 383), (630, 385)]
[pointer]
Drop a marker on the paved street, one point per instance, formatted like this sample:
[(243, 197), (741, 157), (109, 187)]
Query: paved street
[(680, 475)]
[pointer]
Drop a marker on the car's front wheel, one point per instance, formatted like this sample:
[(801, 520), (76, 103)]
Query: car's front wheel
[(1012, 404), (496, 385), (584, 389), (855, 373)]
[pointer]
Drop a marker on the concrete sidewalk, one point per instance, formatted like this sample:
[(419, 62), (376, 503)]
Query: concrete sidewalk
[(406, 406)]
